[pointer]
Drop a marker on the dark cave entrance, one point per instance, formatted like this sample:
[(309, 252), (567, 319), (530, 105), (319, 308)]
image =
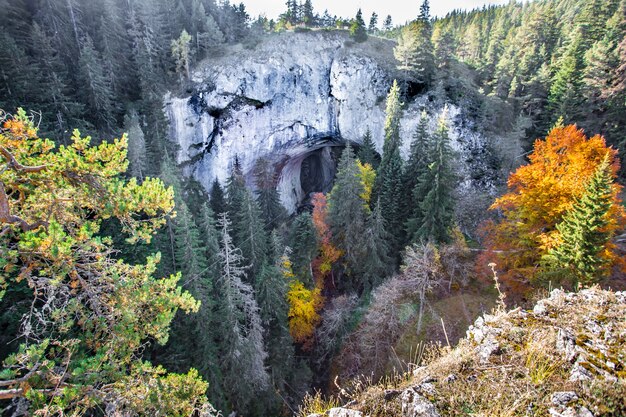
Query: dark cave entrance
[(317, 172)]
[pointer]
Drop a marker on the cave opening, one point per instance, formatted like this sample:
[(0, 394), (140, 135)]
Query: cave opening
[(317, 173)]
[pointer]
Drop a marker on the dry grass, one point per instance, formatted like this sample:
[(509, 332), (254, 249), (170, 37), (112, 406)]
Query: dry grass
[(519, 378)]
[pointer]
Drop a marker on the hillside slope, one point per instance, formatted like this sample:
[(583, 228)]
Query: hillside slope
[(566, 357)]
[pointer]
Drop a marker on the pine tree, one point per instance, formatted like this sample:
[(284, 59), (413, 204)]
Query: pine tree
[(564, 96), (378, 262), (250, 234), (308, 17), (347, 212), (373, 26), (415, 48), (388, 187), (216, 198), (99, 95), (136, 145), (367, 151), (271, 293), (387, 24), (242, 350), (417, 167), (272, 210), (358, 32), (59, 110), (304, 247), (181, 52), (235, 190), (582, 232), (437, 183)]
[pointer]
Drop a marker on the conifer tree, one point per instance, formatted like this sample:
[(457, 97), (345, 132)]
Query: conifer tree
[(378, 262), (181, 52), (367, 152), (388, 187), (565, 90), (98, 90), (304, 247), (415, 48), (437, 183), (216, 198), (583, 233), (358, 31), (272, 210), (235, 190), (136, 145), (373, 26), (347, 212), (387, 24), (250, 233), (417, 167), (308, 17), (242, 350)]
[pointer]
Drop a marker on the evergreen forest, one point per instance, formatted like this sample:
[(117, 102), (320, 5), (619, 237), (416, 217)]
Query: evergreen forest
[(130, 288)]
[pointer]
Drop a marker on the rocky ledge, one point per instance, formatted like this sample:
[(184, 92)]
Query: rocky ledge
[(564, 358)]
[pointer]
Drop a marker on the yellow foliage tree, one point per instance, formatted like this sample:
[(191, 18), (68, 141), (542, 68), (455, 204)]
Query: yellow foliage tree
[(367, 175), (304, 305)]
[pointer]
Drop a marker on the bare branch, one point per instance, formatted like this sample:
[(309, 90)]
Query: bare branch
[(13, 163)]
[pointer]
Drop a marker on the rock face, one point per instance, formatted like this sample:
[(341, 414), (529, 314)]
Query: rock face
[(290, 100)]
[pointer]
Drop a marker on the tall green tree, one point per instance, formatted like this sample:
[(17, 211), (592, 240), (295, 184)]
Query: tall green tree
[(98, 91), (373, 26), (388, 187), (250, 234), (417, 168), (137, 151), (358, 31), (217, 200), (304, 247), (415, 51), (181, 52), (242, 349), (564, 98), (583, 231), (347, 211), (367, 151), (378, 261), (272, 210), (437, 185)]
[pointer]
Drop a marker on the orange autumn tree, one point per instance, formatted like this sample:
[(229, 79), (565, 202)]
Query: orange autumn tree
[(329, 254), (540, 193)]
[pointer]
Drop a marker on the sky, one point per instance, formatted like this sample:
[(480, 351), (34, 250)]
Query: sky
[(401, 11)]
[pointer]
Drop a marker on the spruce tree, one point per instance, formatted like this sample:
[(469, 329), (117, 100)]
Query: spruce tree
[(415, 48), (272, 210), (388, 187), (358, 31), (136, 145), (583, 238), (367, 152), (437, 186), (235, 190), (304, 247), (98, 91), (373, 26), (378, 262), (388, 24), (564, 96), (217, 200), (242, 350), (347, 212), (417, 167), (250, 234)]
